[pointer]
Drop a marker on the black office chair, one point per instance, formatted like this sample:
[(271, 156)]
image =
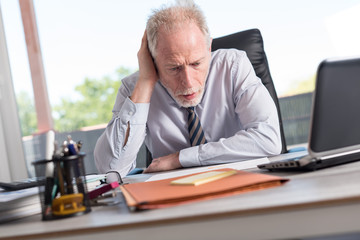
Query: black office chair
[(252, 43)]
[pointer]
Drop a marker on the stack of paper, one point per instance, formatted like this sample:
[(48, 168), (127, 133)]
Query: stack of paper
[(93, 181), (19, 204)]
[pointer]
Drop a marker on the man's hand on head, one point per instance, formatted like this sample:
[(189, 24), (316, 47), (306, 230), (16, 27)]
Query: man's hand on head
[(165, 163), (147, 67), (147, 74)]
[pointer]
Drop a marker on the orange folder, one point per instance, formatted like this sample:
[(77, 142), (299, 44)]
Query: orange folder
[(161, 193)]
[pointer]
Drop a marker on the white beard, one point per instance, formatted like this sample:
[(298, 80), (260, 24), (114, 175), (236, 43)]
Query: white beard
[(183, 102)]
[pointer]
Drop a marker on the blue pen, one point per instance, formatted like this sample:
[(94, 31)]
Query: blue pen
[(73, 150)]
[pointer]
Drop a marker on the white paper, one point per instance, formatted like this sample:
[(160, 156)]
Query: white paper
[(14, 195), (181, 172)]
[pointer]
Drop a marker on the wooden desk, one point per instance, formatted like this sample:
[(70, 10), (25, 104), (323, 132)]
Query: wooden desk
[(325, 202)]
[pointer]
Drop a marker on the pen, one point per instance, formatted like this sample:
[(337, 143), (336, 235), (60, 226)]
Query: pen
[(49, 184), (72, 146), (68, 179), (60, 178)]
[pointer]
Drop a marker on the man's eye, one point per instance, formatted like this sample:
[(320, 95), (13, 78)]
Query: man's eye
[(174, 69), (195, 64)]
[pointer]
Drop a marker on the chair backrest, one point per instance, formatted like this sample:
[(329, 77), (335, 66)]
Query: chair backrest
[(252, 43)]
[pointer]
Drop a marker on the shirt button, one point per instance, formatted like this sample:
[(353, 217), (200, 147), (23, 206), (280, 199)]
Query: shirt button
[(131, 113)]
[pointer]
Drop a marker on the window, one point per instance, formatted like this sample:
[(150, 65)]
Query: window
[(88, 46), (11, 152)]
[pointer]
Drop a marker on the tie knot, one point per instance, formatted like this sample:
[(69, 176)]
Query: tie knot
[(190, 109)]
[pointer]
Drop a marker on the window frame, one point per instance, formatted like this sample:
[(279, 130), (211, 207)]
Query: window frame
[(12, 157)]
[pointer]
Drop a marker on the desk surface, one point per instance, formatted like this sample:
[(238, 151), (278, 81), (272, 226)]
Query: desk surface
[(324, 202)]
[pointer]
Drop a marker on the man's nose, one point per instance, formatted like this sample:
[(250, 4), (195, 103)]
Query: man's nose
[(187, 80)]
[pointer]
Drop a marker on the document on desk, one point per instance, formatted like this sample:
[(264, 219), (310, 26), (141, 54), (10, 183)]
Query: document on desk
[(235, 165), (18, 204), (8, 197), (161, 193)]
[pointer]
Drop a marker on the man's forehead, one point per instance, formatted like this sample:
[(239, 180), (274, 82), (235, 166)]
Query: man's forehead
[(181, 57), (176, 35)]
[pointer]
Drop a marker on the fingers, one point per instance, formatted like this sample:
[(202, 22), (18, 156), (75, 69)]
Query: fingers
[(165, 163), (144, 45), (144, 41), (147, 74), (146, 64), (153, 167)]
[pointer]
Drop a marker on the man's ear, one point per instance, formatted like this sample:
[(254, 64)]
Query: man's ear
[(210, 43), (155, 65)]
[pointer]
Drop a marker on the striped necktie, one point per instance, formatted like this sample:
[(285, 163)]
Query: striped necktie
[(196, 133)]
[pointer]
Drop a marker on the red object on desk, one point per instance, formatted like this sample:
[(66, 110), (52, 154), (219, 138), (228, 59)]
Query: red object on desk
[(101, 190), (142, 195)]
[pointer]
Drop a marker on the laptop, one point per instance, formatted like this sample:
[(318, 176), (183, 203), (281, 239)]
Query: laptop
[(334, 136)]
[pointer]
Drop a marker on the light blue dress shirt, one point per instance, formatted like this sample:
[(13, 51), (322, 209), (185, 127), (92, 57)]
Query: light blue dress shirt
[(237, 114)]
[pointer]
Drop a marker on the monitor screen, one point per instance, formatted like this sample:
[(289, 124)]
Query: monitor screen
[(336, 107)]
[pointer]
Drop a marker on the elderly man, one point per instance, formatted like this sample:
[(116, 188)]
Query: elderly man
[(192, 106)]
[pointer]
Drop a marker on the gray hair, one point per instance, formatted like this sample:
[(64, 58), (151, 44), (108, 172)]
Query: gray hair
[(170, 17)]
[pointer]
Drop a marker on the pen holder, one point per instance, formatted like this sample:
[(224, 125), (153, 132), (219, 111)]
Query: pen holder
[(62, 186)]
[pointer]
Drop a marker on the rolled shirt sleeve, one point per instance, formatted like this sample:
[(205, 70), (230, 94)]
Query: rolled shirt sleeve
[(110, 153)]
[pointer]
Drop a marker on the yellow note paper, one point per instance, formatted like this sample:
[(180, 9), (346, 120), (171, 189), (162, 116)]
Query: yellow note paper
[(203, 178)]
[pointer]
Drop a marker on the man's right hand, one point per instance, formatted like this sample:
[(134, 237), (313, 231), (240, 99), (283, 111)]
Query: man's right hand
[(147, 74)]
